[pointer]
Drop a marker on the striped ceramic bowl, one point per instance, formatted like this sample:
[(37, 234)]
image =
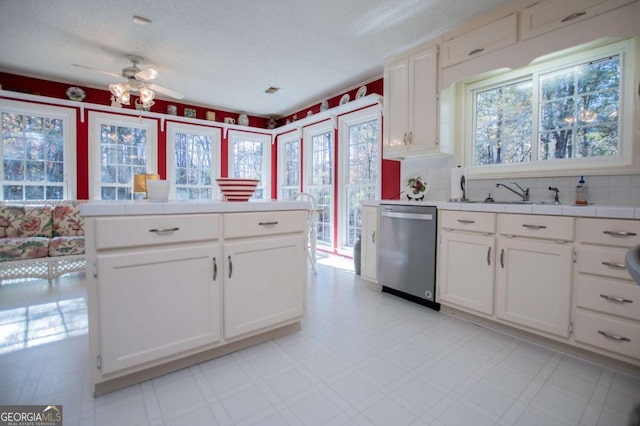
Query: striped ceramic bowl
[(236, 189)]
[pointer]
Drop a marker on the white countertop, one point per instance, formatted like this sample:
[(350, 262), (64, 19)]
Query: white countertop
[(597, 210), (144, 207)]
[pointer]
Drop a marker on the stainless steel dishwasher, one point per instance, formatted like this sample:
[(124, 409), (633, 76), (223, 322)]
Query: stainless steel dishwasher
[(407, 252)]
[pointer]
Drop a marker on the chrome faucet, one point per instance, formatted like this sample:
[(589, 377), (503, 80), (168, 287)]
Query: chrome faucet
[(524, 194)]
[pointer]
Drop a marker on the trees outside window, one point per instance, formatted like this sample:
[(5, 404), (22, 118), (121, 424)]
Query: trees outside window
[(250, 158), (289, 166)]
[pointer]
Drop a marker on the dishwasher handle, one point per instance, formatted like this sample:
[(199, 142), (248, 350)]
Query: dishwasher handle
[(398, 215)]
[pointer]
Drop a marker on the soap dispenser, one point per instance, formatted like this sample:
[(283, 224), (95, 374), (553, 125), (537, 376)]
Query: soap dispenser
[(581, 192)]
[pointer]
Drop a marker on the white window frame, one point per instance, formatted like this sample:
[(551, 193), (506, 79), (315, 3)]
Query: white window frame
[(628, 159), (265, 180), (344, 122), (68, 116), (173, 128), (96, 120), (308, 133), (283, 140)]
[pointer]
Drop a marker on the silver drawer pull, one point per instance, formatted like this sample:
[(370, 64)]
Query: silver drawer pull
[(267, 223), (615, 299), (161, 230), (534, 226), (475, 52), (615, 265), (573, 16), (489, 256), (466, 221), (620, 233), (215, 269), (614, 337)]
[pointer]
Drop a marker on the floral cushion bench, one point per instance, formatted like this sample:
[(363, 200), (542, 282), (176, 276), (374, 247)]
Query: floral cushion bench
[(42, 240)]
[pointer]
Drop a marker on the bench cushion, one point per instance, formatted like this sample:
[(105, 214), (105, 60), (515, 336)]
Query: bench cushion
[(66, 246), (23, 248), (67, 220), (25, 222)]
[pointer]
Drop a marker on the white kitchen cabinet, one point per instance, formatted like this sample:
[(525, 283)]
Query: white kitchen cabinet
[(369, 244), (157, 302), (466, 260), (488, 38), (535, 269), (549, 15), (411, 104), (262, 283)]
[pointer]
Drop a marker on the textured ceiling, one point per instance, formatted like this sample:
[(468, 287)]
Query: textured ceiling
[(224, 53)]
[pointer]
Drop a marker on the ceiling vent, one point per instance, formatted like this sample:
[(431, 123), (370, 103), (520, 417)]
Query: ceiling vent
[(272, 90)]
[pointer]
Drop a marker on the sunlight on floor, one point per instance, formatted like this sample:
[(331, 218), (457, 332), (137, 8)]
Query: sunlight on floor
[(339, 262)]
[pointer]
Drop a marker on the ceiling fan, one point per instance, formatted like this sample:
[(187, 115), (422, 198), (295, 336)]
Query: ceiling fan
[(137, 81)]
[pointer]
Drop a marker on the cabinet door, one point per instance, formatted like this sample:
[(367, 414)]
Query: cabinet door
[(369, 236), (423, 101), (466, 264), (264, 283), (533, 284), (157, 302), (396, 107)]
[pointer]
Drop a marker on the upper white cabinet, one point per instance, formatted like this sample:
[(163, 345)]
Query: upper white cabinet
[(550, 15), (485, 39), (411, 104)]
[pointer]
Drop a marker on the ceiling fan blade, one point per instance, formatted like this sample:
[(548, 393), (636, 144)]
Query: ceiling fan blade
[(112, 74), (165, 91), (147, 74)]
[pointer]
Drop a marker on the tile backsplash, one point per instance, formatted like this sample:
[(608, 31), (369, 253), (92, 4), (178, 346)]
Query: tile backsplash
[(615, 189)]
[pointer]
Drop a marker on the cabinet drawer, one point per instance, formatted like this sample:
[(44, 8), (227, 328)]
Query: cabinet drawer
[(605, 261), (238, 225), (609, 296), (610, 232), (534, 226), (469, 221), (609, 333), (116, 232), (553, 14), (485, 39)]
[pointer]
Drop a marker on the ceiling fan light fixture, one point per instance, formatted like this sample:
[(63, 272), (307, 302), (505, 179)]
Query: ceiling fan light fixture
[(146, 96), (124, 98), (117, 89)]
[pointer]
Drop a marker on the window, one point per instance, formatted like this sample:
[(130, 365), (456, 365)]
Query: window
[(359, 166), (319, 168), (560, 116), (38, 153), (193, 154), (289, 165), (250, 158), (120, 147)]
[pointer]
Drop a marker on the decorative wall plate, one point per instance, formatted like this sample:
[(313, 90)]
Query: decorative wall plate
[(345, 99), (324, 105), (76, 94), (416, 186), (362, 91)]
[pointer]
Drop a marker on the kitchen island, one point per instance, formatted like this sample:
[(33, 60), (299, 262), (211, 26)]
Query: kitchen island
[(173, 284)]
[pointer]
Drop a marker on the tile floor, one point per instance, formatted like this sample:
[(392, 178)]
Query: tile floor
[(361, 358)]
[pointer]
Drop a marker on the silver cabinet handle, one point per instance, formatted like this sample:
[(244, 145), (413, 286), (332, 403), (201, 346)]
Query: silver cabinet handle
[(573, 16), (215, 269), (161, 230), (620, 233), (373, 237), (615, 265), (466, 221), (267, 223), (489, 256), (533, 226), (230, 266), (404, 138), (614, 337), (502, 258), (475, 51), (615, 299), (411, 137)]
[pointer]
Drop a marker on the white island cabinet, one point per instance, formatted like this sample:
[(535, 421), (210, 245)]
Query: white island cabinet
[(173, 284)]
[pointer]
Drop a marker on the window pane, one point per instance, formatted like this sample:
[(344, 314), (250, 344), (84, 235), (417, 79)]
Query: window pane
[(122, 154), (249, 160), (193, 154), (503, 124), (32, 152), (579, 110)]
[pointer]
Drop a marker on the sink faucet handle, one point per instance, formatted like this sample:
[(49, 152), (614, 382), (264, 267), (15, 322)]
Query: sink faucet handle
[(556, 197)]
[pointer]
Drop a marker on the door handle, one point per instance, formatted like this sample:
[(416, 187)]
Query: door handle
[(615, 265), (502, 258), (614, 337), (230, 266), (215, 269), (489, 256), (620, 233), (373, 237), (615, 299)]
